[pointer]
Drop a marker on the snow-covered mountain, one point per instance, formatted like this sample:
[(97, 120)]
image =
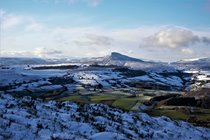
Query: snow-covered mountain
[(118, 59)]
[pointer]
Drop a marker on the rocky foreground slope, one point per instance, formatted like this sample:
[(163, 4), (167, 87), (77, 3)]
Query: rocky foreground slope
[(26, 118)]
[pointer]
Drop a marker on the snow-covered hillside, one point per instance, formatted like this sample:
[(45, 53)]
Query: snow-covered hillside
[(196, 64), (22, 79), (25, 118)]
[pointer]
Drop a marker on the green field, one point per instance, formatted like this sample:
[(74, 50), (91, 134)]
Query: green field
[(128, 101), (121, 101), (196, 116)]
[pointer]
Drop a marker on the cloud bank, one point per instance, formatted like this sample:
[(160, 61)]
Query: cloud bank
[(175, 38), (21, 34), (37, 52), (45, 52)]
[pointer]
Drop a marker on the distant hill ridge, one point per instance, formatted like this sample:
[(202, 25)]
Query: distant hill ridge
[(21, 61), (121, 57)]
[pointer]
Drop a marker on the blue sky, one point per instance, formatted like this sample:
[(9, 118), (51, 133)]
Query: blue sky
[(166, 30)]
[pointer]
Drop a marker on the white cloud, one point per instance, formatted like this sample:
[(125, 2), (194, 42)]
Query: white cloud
[(45, 52), (173, 38), (16, 53), (94, 40), (187, 51), (10, 21), (37, 52)]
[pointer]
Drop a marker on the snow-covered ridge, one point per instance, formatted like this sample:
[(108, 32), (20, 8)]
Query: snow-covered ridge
[(25, 118), (121, 57), (118, 59), (193, 64), (21, 61)]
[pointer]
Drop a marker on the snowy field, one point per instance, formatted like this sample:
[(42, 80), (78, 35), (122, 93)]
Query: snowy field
[(22, 78)]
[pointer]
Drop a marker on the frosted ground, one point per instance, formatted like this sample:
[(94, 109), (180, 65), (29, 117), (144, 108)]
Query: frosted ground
[(26, 118)]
